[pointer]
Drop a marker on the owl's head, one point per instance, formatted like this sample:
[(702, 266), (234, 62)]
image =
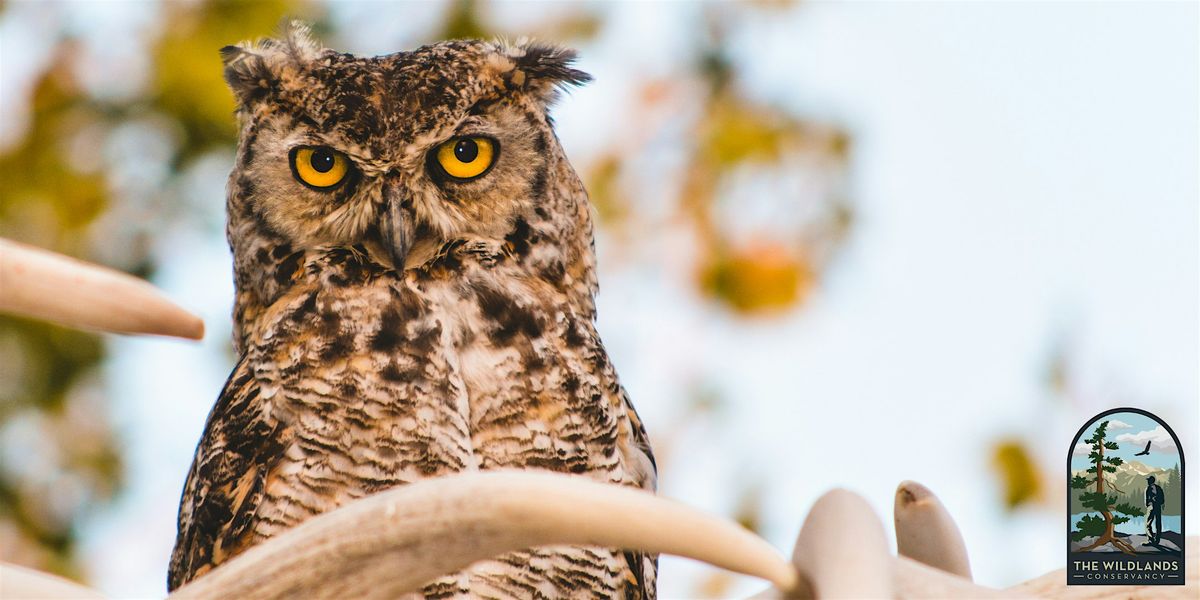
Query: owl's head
[(402, 152)]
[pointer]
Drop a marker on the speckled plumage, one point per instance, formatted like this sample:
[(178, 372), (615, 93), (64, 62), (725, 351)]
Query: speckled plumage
[(480, 352)]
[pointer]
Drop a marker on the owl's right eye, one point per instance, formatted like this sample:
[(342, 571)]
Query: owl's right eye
[(319, 167)]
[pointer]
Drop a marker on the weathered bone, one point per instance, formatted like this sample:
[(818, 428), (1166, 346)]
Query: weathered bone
[(926, 532), (393, 542), (28, 584), (917, 580), (43, 285), (911, 579), (842, 550)]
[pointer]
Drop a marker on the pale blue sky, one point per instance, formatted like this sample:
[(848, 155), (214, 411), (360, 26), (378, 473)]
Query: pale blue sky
[(1137, 423)]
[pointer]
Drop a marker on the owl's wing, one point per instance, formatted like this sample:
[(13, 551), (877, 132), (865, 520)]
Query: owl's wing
[(641, 444), (225, 484), (642, 577)]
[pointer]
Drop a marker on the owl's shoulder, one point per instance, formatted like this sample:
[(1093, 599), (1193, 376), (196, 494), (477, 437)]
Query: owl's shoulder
[(240, 445)]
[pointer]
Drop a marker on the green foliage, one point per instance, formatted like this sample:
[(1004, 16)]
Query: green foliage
[(1097, 501), (188, 83), (60, 193), (50, 202), (1172, 491), (1094, 500), (463, 22), (1128, 509), (1089, 526)]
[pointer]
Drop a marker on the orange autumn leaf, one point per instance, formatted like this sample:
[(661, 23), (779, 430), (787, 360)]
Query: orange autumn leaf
[(766, 277)]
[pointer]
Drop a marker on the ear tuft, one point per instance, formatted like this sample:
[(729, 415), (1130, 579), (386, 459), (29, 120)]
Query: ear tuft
[(299, 43), (247, 73), (253, 70), (541, 68), (551, 63)]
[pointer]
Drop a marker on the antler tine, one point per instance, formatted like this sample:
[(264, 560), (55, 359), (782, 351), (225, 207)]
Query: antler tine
[(20, 582), (842, 550), (926, 532), (52, 287), (394, 542)]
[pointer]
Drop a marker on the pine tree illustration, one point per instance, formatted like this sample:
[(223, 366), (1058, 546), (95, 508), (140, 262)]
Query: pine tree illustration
[(1100, 502)]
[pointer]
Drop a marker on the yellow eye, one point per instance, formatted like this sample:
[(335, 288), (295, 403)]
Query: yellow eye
[(466, 157), (321, 168)]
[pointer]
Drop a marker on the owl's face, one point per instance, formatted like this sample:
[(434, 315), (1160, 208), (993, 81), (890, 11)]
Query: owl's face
[(401, 152)]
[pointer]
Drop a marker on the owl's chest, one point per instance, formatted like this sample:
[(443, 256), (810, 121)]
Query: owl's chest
[(539, 390), (395, 385)]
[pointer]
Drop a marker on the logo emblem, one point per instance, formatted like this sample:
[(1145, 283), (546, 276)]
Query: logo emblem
[(1125, 502)]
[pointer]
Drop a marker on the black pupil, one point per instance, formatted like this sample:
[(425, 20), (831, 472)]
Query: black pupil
[(321, 160), (466, 150)]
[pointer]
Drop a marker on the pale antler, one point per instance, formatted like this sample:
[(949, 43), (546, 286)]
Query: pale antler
[(43, 285), (917, 580), (925, 532), (28, 584), (842, 550), (393, 542)]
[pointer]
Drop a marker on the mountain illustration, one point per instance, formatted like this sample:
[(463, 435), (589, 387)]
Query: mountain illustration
[(1130, 480)]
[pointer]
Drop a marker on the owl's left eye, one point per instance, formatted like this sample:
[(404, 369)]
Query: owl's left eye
[(464, 158), (319, 167)]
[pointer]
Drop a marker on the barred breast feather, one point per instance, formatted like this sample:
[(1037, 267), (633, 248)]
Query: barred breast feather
[(359, 380)]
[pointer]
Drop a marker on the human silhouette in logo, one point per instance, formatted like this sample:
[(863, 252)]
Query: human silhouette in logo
[(1154, 504)]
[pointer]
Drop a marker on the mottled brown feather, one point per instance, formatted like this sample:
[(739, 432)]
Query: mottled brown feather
[(225, 484)]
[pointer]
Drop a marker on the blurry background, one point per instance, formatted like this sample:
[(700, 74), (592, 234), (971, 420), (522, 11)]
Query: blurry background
[(840, 245)]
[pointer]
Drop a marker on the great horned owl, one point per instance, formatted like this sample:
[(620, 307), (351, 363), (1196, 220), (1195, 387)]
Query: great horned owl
[(415, 278)]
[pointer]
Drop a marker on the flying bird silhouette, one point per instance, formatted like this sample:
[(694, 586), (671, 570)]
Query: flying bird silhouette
[(1144, 452)]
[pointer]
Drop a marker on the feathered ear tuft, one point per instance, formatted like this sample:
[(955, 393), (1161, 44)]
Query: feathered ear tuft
[(543, 69), (247, 73), (299, 43), (552, 64), (253, 70)]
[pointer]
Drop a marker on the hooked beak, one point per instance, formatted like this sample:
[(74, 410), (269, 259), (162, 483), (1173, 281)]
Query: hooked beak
[(397, 228)]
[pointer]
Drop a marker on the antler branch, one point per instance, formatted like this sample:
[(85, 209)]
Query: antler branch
[(394, 542), (842, 550), (926, 532), (43, 285), (20, 582)]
